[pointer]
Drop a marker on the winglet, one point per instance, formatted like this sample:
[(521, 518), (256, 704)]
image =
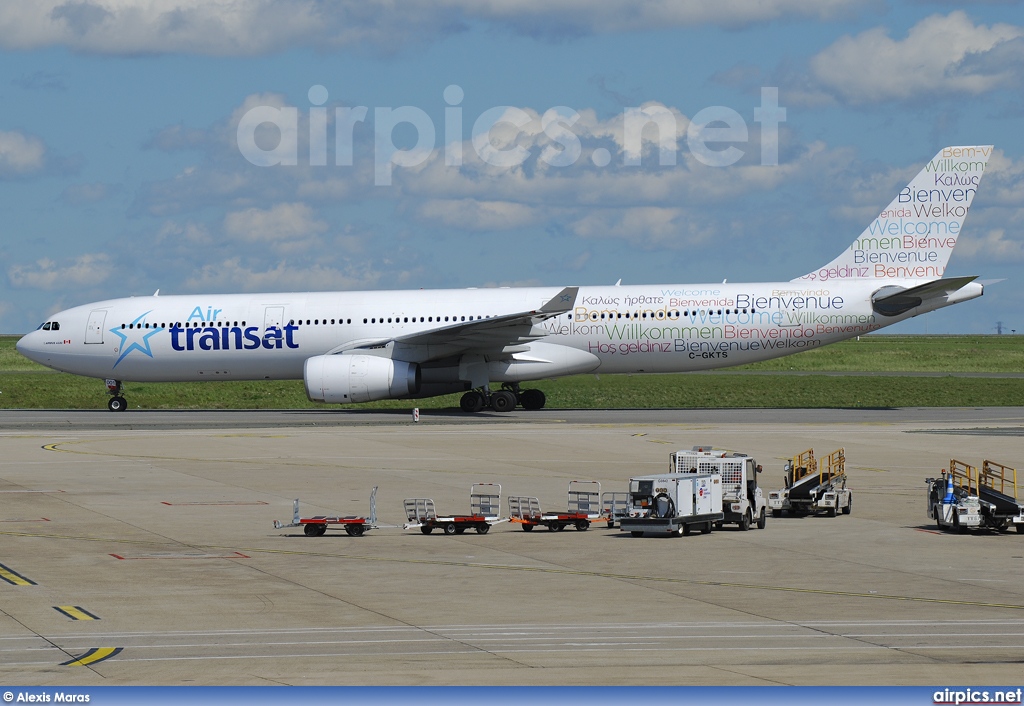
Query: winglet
[(560, 303)]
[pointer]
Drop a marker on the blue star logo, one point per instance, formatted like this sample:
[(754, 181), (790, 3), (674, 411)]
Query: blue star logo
[(566, 298), (135, 332)]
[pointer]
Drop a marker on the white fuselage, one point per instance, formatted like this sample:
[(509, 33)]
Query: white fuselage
[(628, 329)]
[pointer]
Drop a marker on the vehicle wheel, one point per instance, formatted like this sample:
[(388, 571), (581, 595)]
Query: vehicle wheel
[(117, 404), (936, 515), (309, 530), (956, 523), (460, 530), (532, 399), (686, 530), (426, 529), (561, 527), (503, 401), (679, 531), (354, 530), (450, 528), (762, 519), (1020, 529), (832, 512), (321, 530), (553, 527), (745, 521), (706, 528), (483, 529), (582, 525), (849, 505), (776, 513), (636, 533), (719, 525), (527, 528), (472, 402)]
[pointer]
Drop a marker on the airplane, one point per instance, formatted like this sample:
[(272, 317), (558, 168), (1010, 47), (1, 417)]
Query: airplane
[(352, 347)]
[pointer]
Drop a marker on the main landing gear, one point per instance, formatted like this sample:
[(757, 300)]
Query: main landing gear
[(504, 400), (116, 403)]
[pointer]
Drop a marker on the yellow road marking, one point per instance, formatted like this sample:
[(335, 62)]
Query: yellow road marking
[(96, 654), (75, 612), (13, 577)]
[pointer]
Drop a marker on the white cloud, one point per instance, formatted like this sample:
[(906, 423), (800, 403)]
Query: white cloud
[(235, 275), (286, 226), (941, 54), (88, 193), (20, 154), (231, 28), (470, 214), (88, 269)]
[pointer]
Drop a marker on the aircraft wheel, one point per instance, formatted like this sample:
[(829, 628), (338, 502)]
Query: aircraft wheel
[(762, 519), (117, 404), (532, 399), (503, 401), (849, 505), (472, 402)]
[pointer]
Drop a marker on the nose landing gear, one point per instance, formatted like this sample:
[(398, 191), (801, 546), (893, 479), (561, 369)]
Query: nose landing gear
[(116, 403)]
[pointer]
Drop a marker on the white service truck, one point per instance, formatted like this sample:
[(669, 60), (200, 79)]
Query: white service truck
[(951, 502), (743, 503), (672, 503)]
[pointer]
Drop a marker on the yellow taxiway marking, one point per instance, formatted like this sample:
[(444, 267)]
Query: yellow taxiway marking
[(75, 612), (14, 578), (96, 654)]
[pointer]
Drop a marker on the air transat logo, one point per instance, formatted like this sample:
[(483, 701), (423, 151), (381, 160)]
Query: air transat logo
[(139, 340)]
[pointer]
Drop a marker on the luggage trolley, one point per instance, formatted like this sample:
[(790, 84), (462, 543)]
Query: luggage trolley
[(614, 506), (318, 525), (584, 507), (484, 508)]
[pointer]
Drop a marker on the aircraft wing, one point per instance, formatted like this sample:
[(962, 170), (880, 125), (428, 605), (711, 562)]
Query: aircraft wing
[(497, 334), (894, 301)]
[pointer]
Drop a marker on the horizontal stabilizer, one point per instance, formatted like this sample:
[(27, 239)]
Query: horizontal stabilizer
[(893, 301)]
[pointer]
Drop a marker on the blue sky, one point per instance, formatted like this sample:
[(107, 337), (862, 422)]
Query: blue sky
[(121, 172)]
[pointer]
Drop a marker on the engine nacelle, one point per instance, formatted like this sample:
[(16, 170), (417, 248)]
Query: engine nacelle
[(342, 379)]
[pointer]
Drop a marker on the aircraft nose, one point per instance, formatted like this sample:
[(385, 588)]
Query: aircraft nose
[(26, 345)]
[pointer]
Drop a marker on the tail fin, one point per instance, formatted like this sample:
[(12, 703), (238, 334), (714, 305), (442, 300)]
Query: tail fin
[(915, 235)]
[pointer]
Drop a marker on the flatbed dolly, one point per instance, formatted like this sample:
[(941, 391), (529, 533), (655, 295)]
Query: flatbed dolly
[(584, 508), (614, 506), (484, 508), (317, 526)]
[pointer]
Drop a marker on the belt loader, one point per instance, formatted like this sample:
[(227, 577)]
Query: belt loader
[(672, 503), (962, 498), (743, 503), (813, 487)]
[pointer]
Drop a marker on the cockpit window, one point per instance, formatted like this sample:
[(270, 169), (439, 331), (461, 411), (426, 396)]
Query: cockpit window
[(49, 326), (46, 326), (55, 326)]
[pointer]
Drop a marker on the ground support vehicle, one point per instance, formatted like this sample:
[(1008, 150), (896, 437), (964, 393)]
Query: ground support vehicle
[(952, 502), (614, 506), (965, 498), (743, 503), (813, 487), (317, 525), (484, 511), (584, 508), (673, 503)]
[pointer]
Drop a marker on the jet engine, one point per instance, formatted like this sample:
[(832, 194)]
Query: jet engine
[(342, 379)]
